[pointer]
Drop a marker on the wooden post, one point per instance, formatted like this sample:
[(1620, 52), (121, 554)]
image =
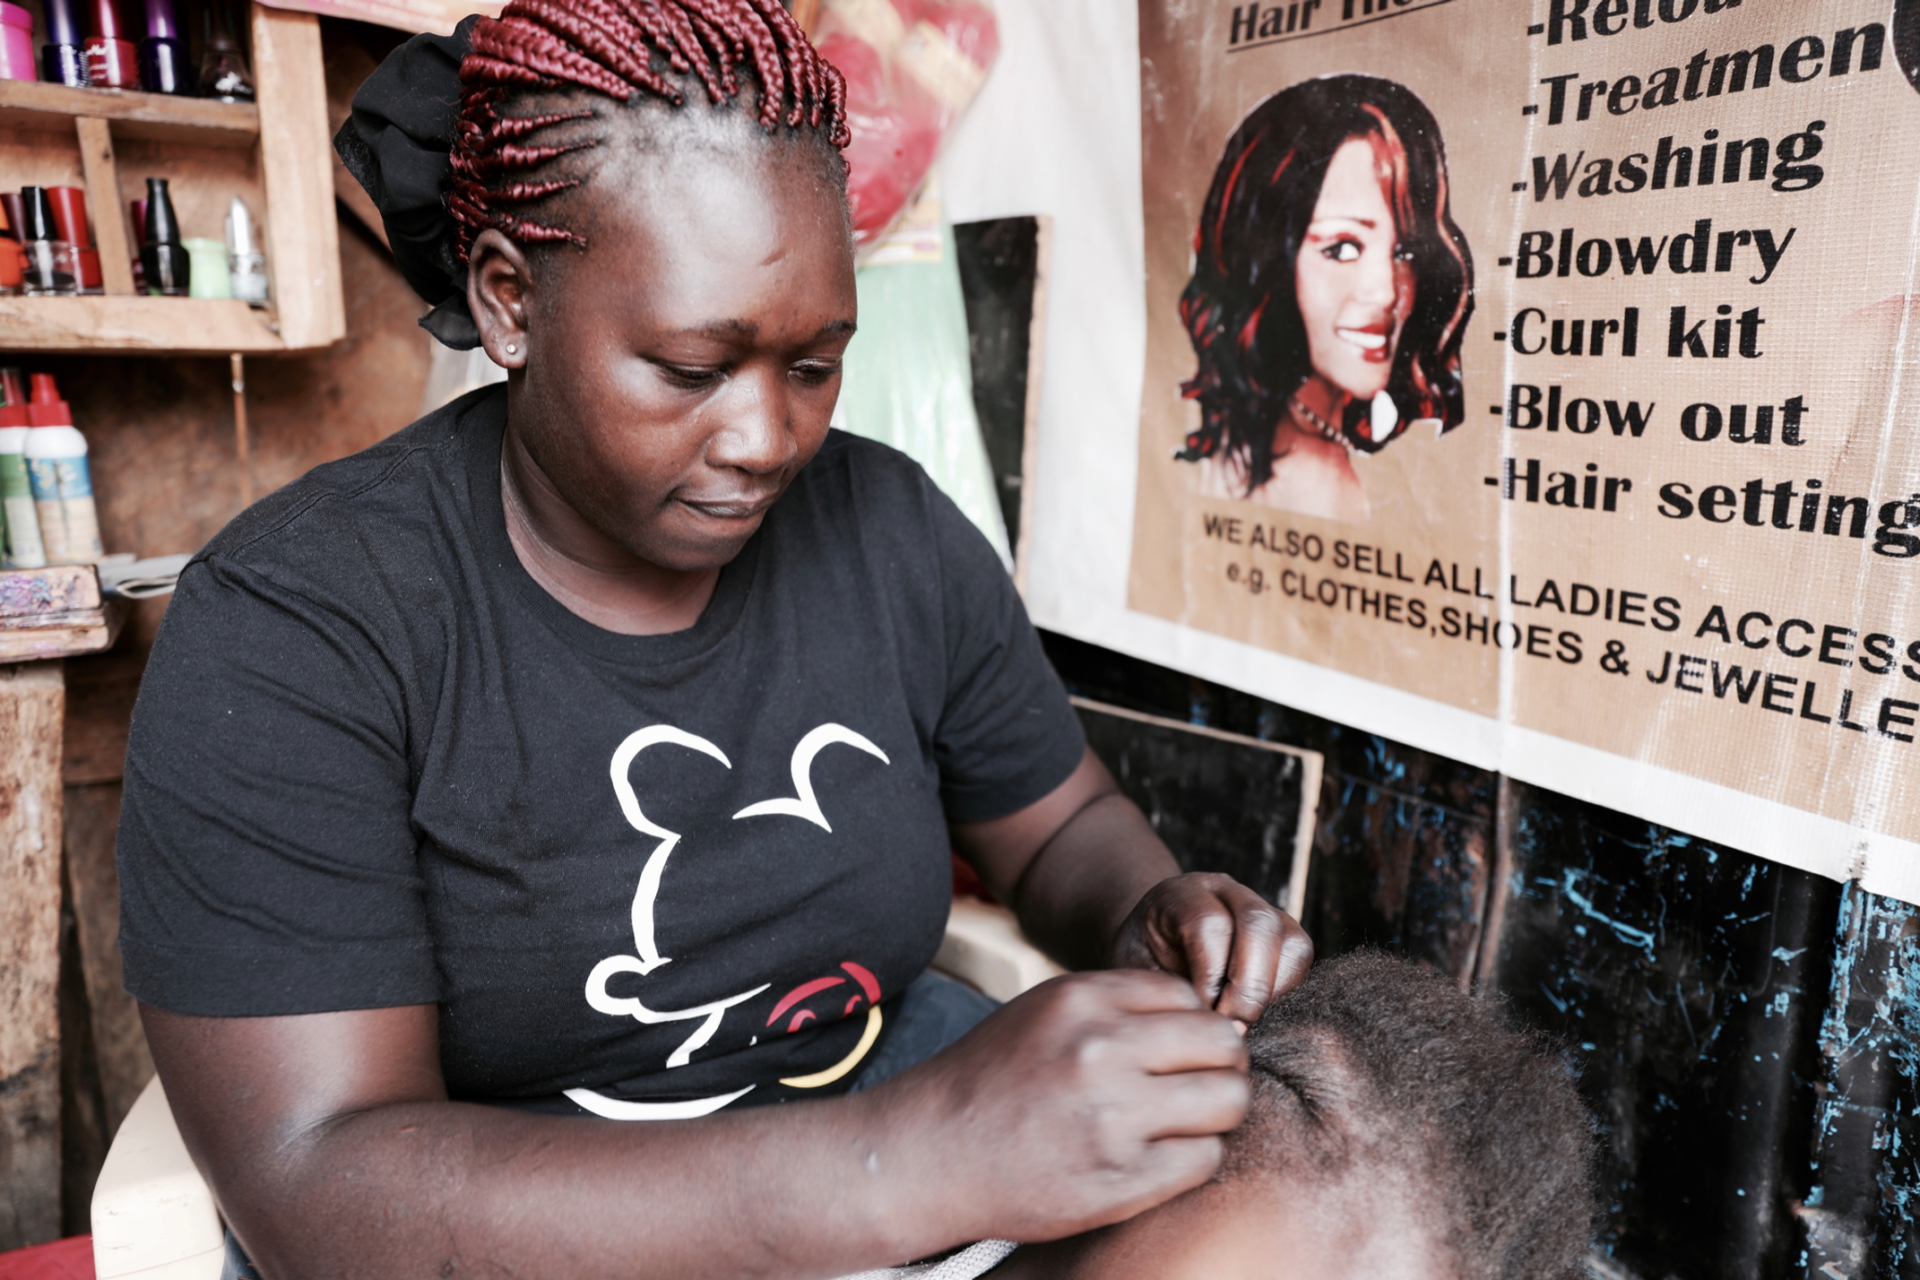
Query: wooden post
[(238, 365), (103, 194), (32, 706), (296, 157), (93, 819)]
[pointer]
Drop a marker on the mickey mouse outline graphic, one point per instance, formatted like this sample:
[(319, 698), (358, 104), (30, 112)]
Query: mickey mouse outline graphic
[(646, 955)]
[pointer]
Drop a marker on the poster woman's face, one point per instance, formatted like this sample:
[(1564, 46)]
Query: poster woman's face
[(1355, 288)]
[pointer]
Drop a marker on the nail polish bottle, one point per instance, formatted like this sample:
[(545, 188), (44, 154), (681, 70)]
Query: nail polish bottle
[(163, 54), (223, 69), (246, 265), (63, 58), (70, 222), (112, 62), (16, 44), (51, 266), (137, 211), (168, 267), (12, 261)]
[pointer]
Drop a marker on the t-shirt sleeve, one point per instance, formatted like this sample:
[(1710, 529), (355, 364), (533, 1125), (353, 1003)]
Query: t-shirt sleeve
[(1007, 735), (267, 859)]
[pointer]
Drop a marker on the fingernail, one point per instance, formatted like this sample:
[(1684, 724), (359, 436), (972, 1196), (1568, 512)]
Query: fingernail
[(1239, 1027)]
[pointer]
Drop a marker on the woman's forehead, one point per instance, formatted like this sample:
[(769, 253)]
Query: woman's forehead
[(730, 243), (1354, 187)]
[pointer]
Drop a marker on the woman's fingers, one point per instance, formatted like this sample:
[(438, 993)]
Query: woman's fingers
[(1271, 955), (1197, 1103), (1239, 951)]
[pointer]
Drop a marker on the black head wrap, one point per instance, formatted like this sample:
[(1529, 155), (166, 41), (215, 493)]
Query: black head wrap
[(396, 143)]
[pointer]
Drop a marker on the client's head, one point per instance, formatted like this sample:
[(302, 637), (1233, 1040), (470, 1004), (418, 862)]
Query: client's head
[(1400, 1130)]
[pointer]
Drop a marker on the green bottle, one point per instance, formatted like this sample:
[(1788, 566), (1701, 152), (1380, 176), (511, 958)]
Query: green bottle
[(24, 548)]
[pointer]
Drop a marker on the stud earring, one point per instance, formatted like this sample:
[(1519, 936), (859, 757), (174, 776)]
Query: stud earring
[(512, 350)]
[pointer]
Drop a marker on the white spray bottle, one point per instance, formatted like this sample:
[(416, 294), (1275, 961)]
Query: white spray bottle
[(56, 456)]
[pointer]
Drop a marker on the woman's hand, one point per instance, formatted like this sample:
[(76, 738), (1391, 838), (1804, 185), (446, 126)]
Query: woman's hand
[(1238, 950), (1081, 1103), (1094, 886)]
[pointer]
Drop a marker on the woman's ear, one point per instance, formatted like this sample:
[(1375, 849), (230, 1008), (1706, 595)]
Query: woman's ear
[(499, 291)]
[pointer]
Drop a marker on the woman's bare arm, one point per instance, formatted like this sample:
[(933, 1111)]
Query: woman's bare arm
[(333, 1150), (1093, 885)]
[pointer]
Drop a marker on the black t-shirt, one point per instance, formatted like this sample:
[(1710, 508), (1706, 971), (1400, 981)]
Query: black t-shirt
[(374, 763)]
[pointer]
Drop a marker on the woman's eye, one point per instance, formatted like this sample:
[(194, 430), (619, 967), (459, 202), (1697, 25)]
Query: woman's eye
[(692, 379), (1343, 250)]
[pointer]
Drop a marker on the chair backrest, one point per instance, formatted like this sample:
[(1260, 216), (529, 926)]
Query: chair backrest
[(153, 1214)]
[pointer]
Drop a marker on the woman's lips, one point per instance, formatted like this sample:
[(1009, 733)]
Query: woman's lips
[(1372, 343), (731, 508)]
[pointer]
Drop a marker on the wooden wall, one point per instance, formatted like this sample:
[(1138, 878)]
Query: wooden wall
[(161, 433)]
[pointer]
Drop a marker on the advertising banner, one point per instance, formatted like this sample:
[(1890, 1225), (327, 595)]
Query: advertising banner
[(1552, 368)]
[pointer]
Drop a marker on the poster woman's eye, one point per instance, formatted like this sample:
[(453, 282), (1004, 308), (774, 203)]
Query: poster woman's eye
[(1345, 249)]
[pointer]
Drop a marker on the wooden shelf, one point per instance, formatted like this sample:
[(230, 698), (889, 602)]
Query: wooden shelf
[(188, 326), (28, 104), (282, 138)]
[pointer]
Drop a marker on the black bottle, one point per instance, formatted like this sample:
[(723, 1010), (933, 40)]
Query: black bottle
[(223, 68), (50, 266), (162, 256)]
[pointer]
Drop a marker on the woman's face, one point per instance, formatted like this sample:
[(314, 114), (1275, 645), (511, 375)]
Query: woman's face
[(1355, 289), (681, 371), (1271, 1227)]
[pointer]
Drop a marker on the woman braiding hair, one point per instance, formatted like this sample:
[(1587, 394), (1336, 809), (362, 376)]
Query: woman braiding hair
[(519, 807)]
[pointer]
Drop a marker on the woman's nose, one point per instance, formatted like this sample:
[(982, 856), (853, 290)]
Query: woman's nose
[(756, 435), (1378, 283)]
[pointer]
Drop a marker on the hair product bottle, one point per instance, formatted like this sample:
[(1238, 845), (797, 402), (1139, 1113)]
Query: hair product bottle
[(23, 546), (63, 58), (51, 265), (223, 69), (137, 214), (56, 456), (246, 265), (70, 220), (12, 267), (16, 44), (112, 62), (168, 268), (210, 276), (163, 54)]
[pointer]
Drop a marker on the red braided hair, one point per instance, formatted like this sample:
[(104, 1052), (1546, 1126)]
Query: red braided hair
[(610, 47)]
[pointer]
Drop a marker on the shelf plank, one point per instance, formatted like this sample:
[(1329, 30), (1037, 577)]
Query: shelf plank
[(185, 325), (303, 236), (103, 192), (28, 104)]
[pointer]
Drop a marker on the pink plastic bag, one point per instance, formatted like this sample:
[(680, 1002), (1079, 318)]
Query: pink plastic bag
[(912, 66)]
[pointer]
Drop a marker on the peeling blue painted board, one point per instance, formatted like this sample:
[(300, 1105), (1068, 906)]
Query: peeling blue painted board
[(1688, 984), (1861, 1211), (1393, 873)]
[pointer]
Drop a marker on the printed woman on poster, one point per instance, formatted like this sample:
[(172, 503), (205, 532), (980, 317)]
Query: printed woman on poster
[(1330, 292)]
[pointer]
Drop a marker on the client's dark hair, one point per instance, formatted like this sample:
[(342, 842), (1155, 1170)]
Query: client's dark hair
[(1374, 1063)]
